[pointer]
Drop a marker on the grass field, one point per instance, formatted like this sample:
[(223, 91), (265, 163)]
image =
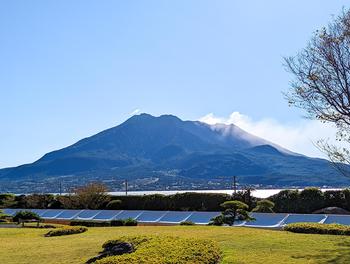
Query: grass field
[(239, 245)]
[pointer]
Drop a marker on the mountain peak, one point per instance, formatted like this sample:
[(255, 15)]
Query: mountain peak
[(165, 150)]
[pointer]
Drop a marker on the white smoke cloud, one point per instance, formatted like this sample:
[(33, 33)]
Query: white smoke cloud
[(298, 136), (135, 112)]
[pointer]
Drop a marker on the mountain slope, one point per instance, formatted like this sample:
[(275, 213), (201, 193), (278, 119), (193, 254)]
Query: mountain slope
[(166, 152)]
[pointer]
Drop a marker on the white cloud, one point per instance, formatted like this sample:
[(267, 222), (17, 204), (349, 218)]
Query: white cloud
[(298, 136), (135, 112)]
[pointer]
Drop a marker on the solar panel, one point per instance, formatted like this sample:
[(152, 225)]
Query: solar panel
[(151, 216), (87, 214), (338, 219), (51, 213), (106, 215), (265, 219), (175, 217), (129, 214), (202, 217), (299, 218), (11, 211), (68, 214), (39, 212)]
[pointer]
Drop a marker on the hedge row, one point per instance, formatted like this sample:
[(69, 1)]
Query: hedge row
[(287, 201), (90, 223), (66, 231), (316, 228), (171, 250), (176, 202), (118, 222), (309, 200)]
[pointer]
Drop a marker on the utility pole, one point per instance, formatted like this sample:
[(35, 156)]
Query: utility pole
[(234, 184), (60, 188), (126, 187)]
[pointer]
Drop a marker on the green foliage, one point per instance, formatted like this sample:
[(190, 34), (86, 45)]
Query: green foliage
[(234, 205), (177, 202), (67, 230), (166, 249), (233, 211), (187, 223), (90, 223), (7, 200), (124, 222), (316, 228), (286, 201), (239, 245), (309, 200), (264, 206), (117, 222), (217, 220), (4, 216), (130, 222), (114, 205), (134, 240), (25, 215), (37, 201)]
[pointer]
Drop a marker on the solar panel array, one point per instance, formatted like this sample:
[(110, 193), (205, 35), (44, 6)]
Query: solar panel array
[(176, 217)]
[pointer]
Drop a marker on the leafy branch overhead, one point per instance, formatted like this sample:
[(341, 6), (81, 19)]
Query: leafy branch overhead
[(321, 81)]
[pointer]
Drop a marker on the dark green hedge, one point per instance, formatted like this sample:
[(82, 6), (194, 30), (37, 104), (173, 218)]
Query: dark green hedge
[(90, 223), (177, 202), (309, 200), (118, 222), (316, 228), (187, 223), (287, 201), (66, 231)]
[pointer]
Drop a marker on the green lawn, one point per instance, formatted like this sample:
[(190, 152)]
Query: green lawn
[(239, 245)]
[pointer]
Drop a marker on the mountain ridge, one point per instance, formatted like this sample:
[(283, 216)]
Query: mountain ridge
[(179, 154)]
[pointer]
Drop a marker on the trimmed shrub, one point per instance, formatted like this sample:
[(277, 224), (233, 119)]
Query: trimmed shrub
[(187, 223), (67, 230), (264, 206), (124, 222), (316, 228), (90, 223), (118, 222), (4, 216), (165, 249), (130, 222), (217, 220), (47, 226), (25, 215)]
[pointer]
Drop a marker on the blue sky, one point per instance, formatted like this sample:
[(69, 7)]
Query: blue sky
[(69, 69)]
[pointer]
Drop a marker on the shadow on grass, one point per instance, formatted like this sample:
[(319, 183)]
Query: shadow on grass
[(339, 255)]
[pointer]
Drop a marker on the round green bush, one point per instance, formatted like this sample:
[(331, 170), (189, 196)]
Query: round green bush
[(316, 228), (165, 250), (67, 230)]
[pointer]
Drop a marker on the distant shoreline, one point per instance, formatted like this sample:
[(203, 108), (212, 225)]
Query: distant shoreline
[(259, 193)]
